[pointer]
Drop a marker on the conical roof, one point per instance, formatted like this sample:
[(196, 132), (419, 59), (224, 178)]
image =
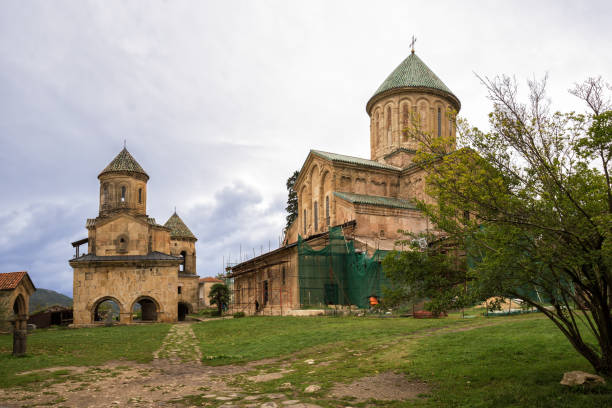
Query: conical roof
[(178, 229), (412, 73), (124, 162)]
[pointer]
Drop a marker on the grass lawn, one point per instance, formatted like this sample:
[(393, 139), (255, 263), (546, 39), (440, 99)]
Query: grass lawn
[(514, 361), (79, 347), (255, 338)]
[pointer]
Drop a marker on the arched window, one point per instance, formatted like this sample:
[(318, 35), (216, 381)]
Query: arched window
[(140, 195), (122, 194), (304, 222), (316, 216), (327, 210), (376, 128), (182, 265), (105, 194), (450, 127), (405, 121), (389, 134), (439, 122)]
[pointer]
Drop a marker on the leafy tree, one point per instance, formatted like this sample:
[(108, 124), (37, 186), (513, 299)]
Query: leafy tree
[(292, 200), (530, 204), (219, 295)]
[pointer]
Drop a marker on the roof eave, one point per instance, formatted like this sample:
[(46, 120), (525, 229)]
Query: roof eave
[(414, 89)]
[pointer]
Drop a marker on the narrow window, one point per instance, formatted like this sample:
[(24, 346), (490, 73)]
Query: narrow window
[(140, 195), (182, 267), (316, 216), (389, 134), (327, 210), (466, 215), (283, 275), (450, 127), (439, 122), (123, 194), (304, 222), (405, 122), (179, 290), (105, 194)]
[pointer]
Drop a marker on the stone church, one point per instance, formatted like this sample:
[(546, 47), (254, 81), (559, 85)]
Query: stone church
[(370, 198), (148, 270)]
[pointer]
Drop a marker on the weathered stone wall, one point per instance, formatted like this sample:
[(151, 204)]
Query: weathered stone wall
[(122, 235), (125, 283), (280, 272), (7, 300), (189, 291)]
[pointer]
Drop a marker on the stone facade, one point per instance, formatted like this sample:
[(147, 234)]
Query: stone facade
[(131, 260), (15, 291), (375, 196)]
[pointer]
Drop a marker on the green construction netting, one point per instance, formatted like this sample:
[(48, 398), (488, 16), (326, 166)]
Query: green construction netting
[(338, 275)]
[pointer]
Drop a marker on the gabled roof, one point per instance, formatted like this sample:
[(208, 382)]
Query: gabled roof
[(10, 280), (335, 157), (376, 200), (208, 279), (178, 229), (413, 73), (124, 162)]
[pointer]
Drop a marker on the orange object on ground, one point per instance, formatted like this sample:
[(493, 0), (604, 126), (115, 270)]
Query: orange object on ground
[(373, 300)]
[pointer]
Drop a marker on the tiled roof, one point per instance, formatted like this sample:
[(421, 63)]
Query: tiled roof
[(151, 256), (353, 160), (124, 162), (10, 280), (211, 280), (376, 200), (412, 73), (178, 229)]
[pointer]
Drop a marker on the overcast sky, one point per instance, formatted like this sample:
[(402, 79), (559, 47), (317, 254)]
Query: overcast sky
[(221, 101)]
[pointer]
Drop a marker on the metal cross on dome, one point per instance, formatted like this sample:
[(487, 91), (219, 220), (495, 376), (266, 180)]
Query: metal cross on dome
[(412, 43)]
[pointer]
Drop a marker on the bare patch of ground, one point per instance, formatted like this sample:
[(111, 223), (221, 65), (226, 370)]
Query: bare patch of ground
[(385, 387)]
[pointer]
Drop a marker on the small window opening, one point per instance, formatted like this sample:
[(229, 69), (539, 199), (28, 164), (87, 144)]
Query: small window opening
[(105, 194), (466, 215), (179, 290), (140, 195), (382, 233), (327, 221), (123, 194), (316, 217), (439, 122), (304, 222), (182, 265), (283, 275)]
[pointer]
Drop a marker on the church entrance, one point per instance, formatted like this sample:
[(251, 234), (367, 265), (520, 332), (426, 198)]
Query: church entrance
[(183, 310), (106, 310)]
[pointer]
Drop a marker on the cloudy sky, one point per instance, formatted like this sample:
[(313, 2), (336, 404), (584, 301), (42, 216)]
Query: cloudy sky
[(221, 101)]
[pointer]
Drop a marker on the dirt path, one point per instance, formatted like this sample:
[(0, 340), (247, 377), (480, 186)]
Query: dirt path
[(180, 346)]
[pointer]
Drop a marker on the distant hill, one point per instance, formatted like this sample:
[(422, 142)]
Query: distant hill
[(43, 298)]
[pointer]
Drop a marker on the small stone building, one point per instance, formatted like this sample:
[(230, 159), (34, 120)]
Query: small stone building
[(15, 291), (370, 199), (204, 290), (146, 269)]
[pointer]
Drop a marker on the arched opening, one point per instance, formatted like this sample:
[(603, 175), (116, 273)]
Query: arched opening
[(140, 196), (19, 305), (183, 310), (123, 194), (106, 310), (145, 309), (182, 267)]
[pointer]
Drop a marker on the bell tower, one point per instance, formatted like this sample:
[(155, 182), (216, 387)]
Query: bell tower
[(123, 186)]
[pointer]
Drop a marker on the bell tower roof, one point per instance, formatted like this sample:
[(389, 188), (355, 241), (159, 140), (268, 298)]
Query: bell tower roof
[(412, 73), (122, 163), (178, 229)]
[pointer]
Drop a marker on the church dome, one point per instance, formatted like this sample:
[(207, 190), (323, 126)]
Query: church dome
[(124, 162), (178, 229), (413, 74)]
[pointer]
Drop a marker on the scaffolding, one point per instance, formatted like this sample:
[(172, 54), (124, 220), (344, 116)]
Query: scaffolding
[(337, 274)]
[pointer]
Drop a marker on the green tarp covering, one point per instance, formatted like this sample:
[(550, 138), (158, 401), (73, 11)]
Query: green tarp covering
[(337, 275)]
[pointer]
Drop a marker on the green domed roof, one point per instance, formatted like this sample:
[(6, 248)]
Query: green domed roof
[(178, 229), (412, 73), (124, 162)]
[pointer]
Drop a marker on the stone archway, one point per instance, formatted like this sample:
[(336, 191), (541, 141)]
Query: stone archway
[(149, 309), (103, 310)]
